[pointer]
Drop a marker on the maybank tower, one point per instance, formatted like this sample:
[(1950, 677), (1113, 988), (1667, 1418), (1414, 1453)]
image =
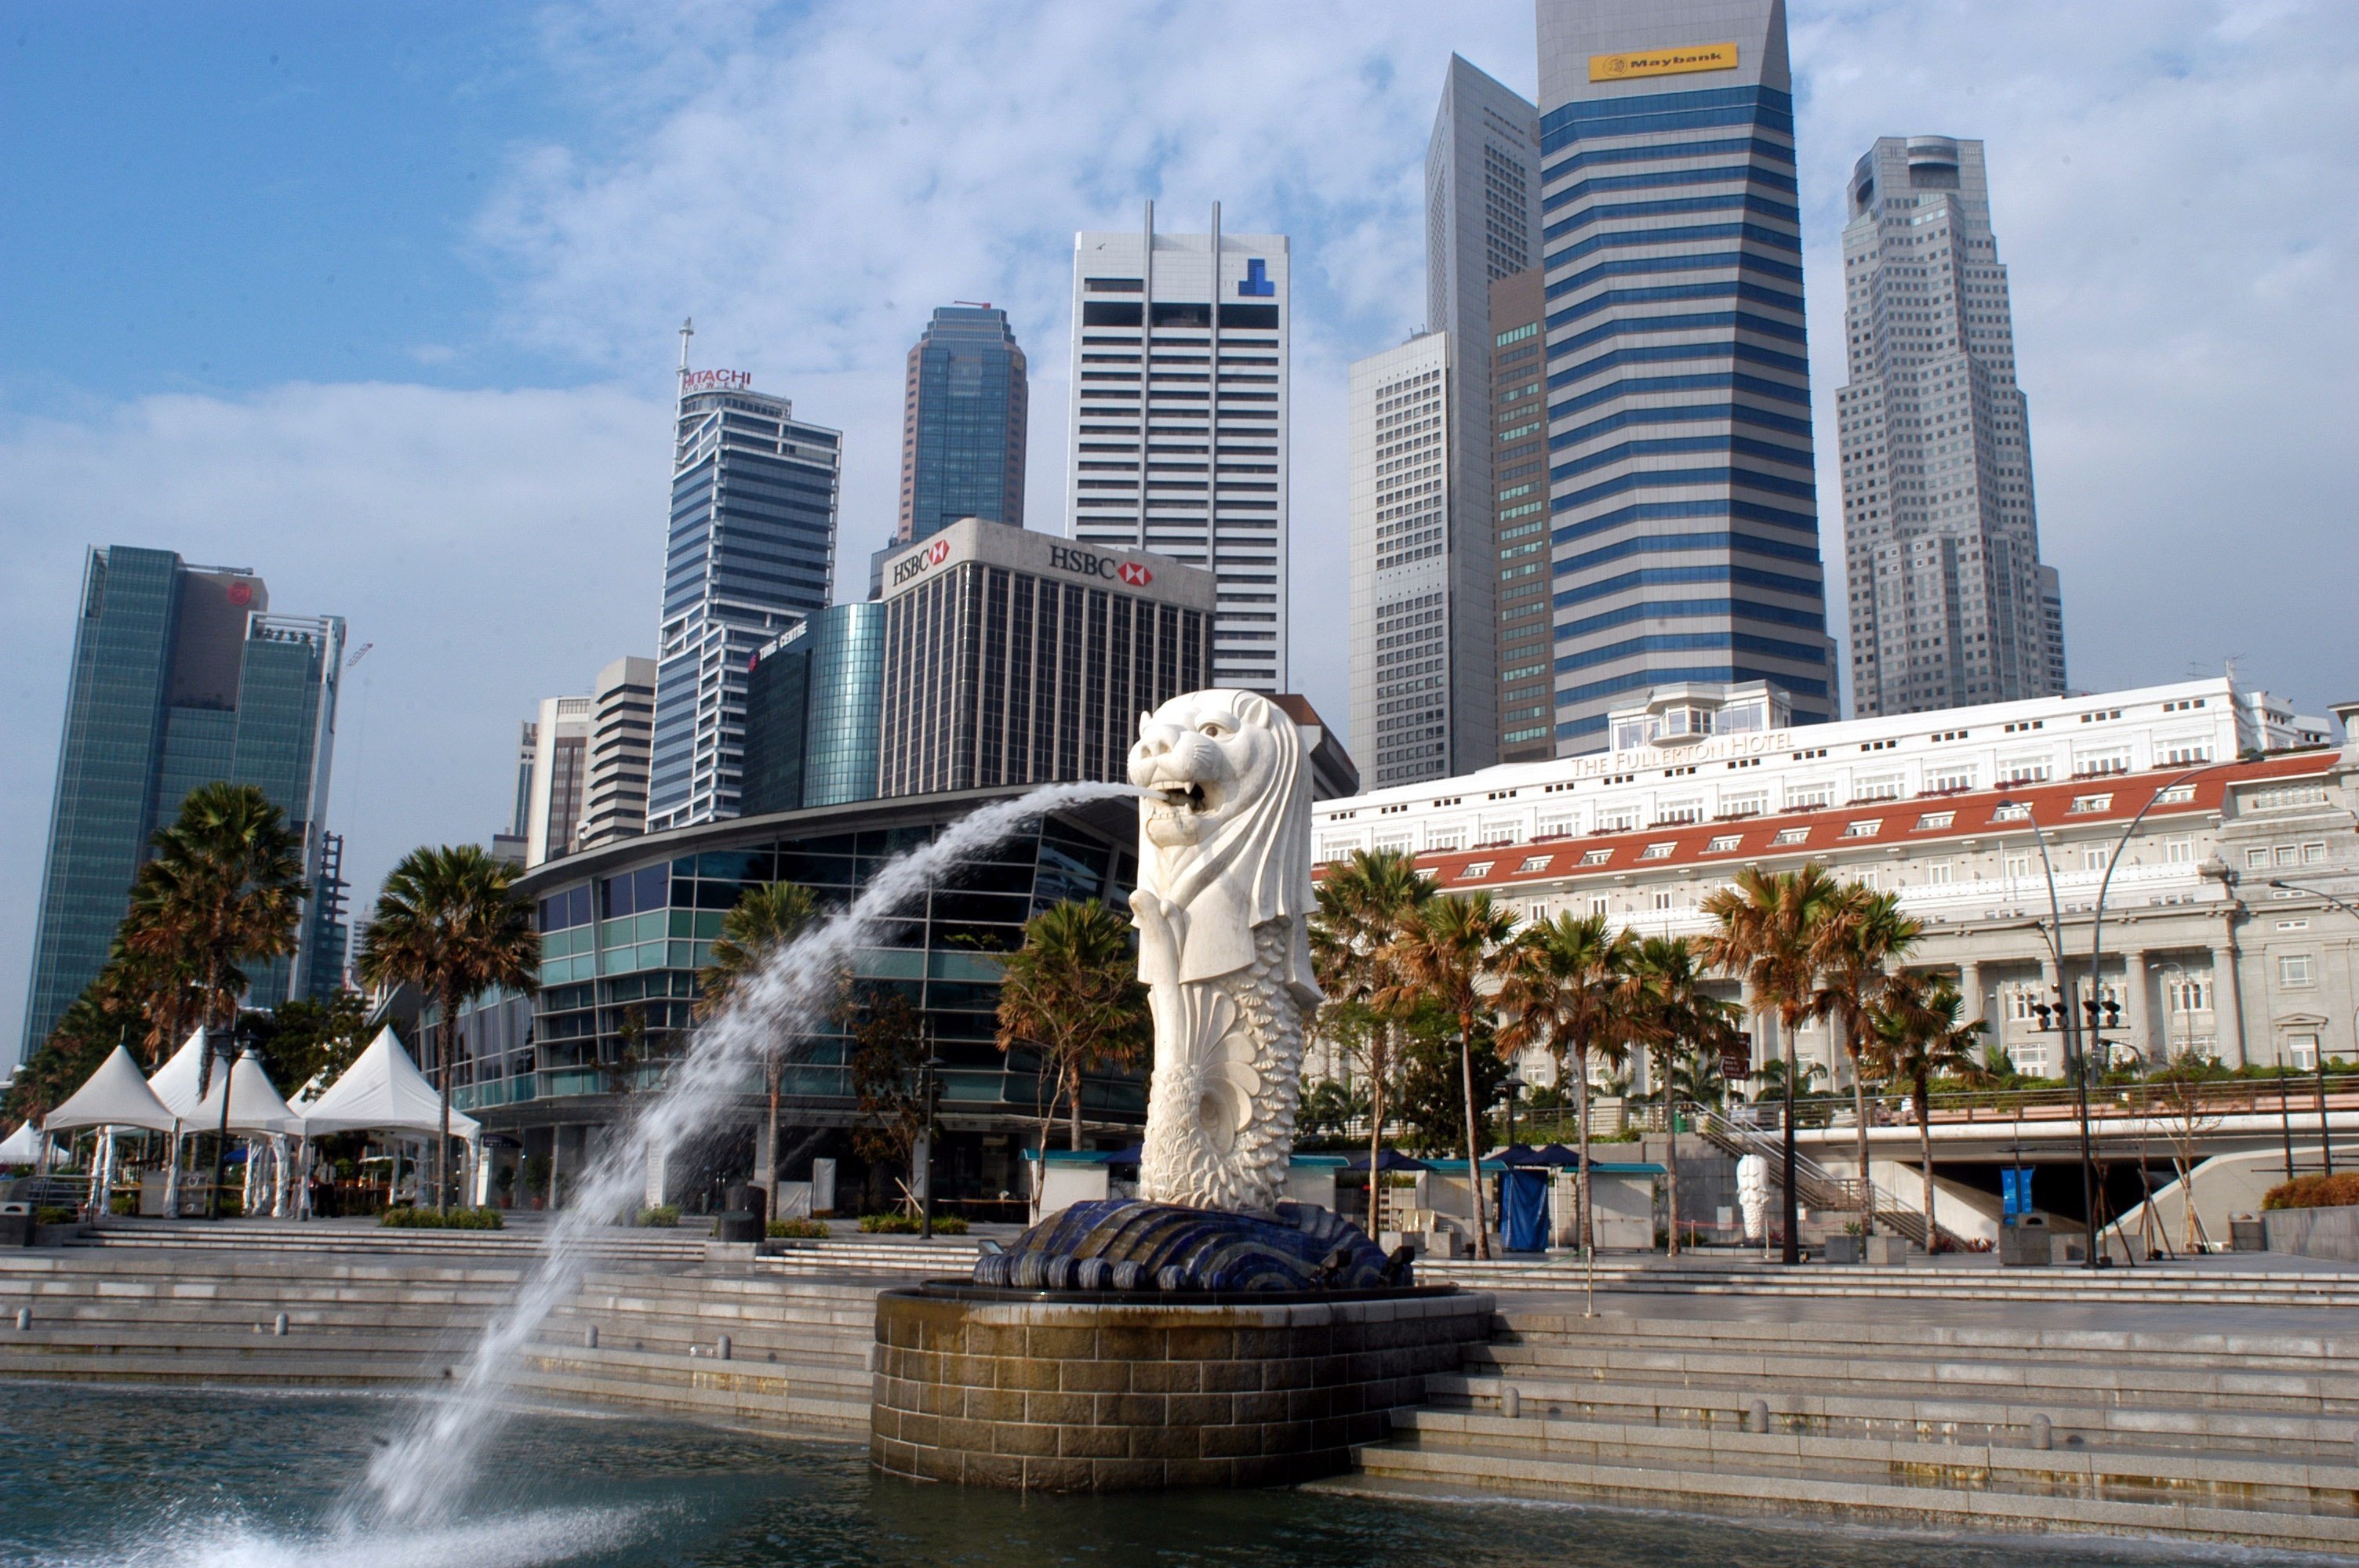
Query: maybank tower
[(1682, 514)]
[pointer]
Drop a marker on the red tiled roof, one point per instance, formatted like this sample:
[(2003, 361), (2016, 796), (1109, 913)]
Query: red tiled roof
[(1888, 823)]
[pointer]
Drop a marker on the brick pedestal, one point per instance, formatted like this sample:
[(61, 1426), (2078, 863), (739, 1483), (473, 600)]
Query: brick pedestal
[(1108, 1393)]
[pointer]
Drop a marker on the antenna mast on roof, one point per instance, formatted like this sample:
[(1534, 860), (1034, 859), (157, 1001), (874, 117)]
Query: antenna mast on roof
[(687, 330)]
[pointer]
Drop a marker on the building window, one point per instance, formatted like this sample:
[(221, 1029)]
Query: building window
[(2301, 1050), (2030, 1058), (1597, 903), (1866, 828), (2180, 851), (2022, 1004), (1656, 852), (1533, 864), (1810, 797), (1596, 857), (1791, 836), (1940, 873), (2286, 854), (2013, 811), (1445, 838), (2296, 970), (1724, 844), (1933, 820), (2282, 797), (2256, 860), (1477, 869), (2087, 803), (1662, 901), (2313, 854), (2187, 995), (1334, 849), (2095, 858)]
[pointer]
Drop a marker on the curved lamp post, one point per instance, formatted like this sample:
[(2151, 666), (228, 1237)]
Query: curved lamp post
[(2075, 1056)]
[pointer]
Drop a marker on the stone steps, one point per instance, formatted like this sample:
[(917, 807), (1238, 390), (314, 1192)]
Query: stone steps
[(787, 1397), (913, 1259), (682, 1246), (2277, 1502), (2150, 1285)]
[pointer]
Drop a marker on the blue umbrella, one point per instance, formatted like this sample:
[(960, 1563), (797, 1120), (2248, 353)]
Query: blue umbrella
[(1392, 1160)]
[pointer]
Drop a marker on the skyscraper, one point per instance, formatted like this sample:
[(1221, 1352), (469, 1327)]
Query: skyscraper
[(622, 730), (1949, 604), (751, 551), (560, 777), (1519, 522), (1682, 507), (1406, 665), (181, 677), (1179, 420), (962, 424), (1482, 223), (813, 703)]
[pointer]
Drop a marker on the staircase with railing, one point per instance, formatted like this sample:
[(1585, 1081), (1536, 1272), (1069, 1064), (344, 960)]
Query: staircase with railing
[(1815, 1187)]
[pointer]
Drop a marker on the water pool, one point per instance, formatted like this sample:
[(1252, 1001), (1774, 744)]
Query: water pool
[(190, 1479)]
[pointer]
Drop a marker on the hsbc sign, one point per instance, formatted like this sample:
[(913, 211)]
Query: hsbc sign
[(924, 560), (1083, 563)]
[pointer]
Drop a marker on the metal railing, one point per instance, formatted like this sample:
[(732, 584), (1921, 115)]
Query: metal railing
[(1815, 1187)]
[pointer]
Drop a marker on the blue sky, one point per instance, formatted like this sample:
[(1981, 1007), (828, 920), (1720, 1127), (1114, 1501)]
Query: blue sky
[(380, 300)]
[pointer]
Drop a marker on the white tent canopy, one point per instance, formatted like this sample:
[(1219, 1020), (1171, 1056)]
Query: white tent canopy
[(23, 1146), (114, 1095), (176, 1081), (253, 1103), (382, 1092)]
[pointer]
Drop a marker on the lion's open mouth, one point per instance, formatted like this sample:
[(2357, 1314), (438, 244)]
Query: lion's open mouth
[(1191, 797)]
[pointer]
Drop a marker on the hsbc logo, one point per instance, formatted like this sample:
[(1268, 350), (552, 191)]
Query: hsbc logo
[(1106, 568), (933, 556)]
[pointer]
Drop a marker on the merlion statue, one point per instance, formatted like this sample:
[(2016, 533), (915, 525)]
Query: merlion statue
[(1753, 1195), (1222, 904), (1222, 900)]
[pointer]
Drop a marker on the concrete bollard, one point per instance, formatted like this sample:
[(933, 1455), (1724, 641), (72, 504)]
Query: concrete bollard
[(722, 1349), (24, 1317), (278, 1325), (1756, 1419), (2043, 1433), (1511, 1402)]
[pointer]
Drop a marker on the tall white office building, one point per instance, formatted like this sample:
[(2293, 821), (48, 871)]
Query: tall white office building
[(1949, 604), (1482, 225), (560, 776), (1407, 677), (1179, 420)]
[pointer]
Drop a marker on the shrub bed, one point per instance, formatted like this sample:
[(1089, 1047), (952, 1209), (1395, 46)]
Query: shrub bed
[(799, 1229), (908, 1225), (54, 1214), (2340, 1190), (442, 1219), (663, 1216)]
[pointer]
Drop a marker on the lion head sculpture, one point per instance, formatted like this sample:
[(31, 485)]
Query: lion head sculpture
[(1225, 830)]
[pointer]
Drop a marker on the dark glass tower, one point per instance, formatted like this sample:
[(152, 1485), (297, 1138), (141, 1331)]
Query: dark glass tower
[(1682, 509), (751, 551), (180, 678), (962, 424), (813, 704)]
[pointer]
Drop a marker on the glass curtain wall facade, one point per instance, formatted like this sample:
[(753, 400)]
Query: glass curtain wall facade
[(751, 551), (622, 944), (1951, 606), (1519, 518), (179, 678), (1682, 503), (963, 424), (813, 706)]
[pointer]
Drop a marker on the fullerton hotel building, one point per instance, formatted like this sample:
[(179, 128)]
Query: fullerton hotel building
[(2227, 824)]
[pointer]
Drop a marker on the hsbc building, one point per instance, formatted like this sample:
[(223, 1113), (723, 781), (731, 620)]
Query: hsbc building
[(1012, 657)]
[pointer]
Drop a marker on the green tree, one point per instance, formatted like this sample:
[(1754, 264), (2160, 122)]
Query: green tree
[(1561, 990), (1449, 951), (448, 921), (1765, 934), (1361, 905), (1071, 993), (1328, 1108), (1674, 1018), (225, 885), (1861, 936), (762, 923), (83, 1037), (301, 1041), (888, 1055), (1915, 1035)]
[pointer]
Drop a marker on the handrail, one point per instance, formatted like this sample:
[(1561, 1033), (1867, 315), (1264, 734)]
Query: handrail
[(1813, 1181)]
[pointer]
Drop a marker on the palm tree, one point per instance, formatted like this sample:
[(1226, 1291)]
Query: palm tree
[(1861, 936), (226, 884), (760, 924), (450, 923), (1673, 1017), (1072, 994), (1767, 935), (1563, 989), (1448, 950), (1916, 1035), (1361, 905)]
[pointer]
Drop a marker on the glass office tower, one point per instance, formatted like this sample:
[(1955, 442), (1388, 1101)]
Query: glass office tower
[(813, 702), (962, 424), (1683, 516), (180, 677), (752, 552)]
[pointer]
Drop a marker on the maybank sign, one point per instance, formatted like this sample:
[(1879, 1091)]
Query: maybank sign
[(1662, 62)]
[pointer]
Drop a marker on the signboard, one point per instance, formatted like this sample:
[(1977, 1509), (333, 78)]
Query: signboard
[(933, 556), (716, 379), (2014, 1189), (1736, 1059), (1661, 62)]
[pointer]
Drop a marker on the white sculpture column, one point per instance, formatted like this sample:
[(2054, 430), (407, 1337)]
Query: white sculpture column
[(1969, 990), (2228, 1004)]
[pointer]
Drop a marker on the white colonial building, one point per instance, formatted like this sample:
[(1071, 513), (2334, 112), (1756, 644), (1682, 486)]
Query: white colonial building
[(2199, 797)]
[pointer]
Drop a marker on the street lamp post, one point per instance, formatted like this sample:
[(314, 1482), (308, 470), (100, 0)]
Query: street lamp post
[(929, 1092), (2325, 1142), (1514, 1084), (2075, 1058), (221, 1138)]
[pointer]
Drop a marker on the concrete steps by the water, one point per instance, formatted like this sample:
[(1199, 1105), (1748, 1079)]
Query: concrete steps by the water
[(2222, 1436), (655, 1246), (2151, 1283), (1970, 1486), (942, 1259)]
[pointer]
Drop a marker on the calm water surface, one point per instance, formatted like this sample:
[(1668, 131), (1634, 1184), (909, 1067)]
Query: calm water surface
[(180, 1479)]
